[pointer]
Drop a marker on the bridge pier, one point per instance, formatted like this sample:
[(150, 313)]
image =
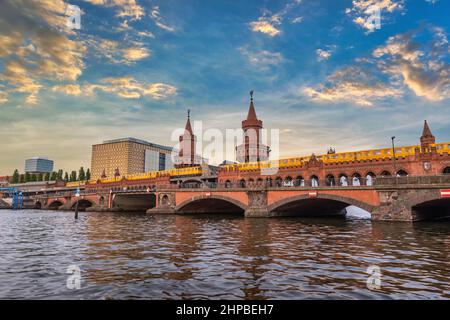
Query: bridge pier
[(410, 205), (165, 204), (257, 207)]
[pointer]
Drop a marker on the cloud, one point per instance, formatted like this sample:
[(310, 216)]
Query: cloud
[(125, 8), (36, 45), (401, 63), (156, 16), (423, 68), (269, 23), (3, 97), (118, 52), (297, 20), (125, 87), (362, 11), (351, 85), (69, 89), (262, 59)]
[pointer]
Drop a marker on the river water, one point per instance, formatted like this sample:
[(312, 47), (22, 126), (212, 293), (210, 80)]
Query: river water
[(138, 256)]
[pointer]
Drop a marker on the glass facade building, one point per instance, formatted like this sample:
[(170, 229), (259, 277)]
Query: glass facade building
[(38, 165)]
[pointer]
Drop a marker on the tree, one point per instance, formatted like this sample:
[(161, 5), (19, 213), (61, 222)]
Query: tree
[(73, 176), (47, 176), (40, 177), (15, 176), (33, 177), (60, 175), (66, 177), (88, 174), (81, 174), (27, 177), (54, 176), (22, 178)]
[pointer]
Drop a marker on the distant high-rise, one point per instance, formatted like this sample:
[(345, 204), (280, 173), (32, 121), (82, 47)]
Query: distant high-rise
[(128, 156), (38, 165)]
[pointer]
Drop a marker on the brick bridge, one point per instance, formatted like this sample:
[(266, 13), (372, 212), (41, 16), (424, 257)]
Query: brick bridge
[(388, 199)]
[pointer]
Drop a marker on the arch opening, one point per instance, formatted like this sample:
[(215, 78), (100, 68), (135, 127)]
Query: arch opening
[(38, 205), (83, 204), (55, 205), (438, 209), (211, 206), (135, 202), (446, 170), (329, 206)]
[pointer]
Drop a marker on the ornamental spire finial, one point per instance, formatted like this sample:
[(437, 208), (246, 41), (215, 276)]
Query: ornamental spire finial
[(251, 95)]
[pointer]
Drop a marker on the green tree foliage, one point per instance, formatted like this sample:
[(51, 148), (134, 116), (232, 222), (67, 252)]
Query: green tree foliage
[(66, 177), (81, 174), (27, 177), (15, 176), (33, 177), (88, 174), (47, 176), (73, 176), (54, 176), (22, 178), (60, 175)]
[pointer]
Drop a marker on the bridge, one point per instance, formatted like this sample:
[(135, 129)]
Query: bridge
[(409, 183), (386, 199)]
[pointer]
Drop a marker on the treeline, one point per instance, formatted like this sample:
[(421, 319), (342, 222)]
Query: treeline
[(59, 175)]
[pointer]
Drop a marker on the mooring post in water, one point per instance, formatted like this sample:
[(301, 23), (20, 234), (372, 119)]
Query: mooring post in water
[(77, 195)]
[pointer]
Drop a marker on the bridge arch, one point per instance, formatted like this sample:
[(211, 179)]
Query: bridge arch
[(55, 205), (211, 204), (430, 207), (321, 205), (446, 170), (83, 204)]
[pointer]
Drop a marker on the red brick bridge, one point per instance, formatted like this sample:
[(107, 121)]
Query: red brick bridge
[(388, 199)]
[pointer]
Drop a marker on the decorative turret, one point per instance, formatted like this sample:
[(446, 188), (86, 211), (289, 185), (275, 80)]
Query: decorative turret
[(427, 137), (186, 156), (252, 149)]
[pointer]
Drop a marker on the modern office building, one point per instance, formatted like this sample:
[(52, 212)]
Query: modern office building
[(38, 165), (128, 156)]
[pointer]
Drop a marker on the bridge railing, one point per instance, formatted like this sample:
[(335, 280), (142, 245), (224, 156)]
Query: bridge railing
[(413, 180)]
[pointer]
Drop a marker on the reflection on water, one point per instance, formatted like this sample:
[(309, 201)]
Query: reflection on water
[(137, 256)]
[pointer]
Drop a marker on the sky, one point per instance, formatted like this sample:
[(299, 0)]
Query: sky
[(325, 74)]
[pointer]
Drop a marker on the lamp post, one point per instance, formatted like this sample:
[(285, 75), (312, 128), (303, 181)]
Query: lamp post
[(393, 158), (77, 195)]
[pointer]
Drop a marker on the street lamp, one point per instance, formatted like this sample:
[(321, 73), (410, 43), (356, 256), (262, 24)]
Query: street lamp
[(77, 195), (393, 158)]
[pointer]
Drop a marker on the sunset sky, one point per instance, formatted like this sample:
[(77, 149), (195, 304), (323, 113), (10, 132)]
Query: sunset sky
[(320, 73)]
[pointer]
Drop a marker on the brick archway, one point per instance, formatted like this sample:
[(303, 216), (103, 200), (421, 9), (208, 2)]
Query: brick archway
[(236, 203), (350, 201)]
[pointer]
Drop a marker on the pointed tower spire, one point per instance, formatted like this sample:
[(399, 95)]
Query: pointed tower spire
[(427, 137), (251, 110), (188, 127)]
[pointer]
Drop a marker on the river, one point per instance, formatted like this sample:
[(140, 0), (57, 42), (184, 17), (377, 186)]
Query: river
[(138, 256)]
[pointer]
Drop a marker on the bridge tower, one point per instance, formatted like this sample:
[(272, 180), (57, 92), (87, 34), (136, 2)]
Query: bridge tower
[(427, 137), (252, 149), (186, 156)]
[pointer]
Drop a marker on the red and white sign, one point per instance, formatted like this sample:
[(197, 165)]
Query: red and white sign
[(445, 193), (312, 194)]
